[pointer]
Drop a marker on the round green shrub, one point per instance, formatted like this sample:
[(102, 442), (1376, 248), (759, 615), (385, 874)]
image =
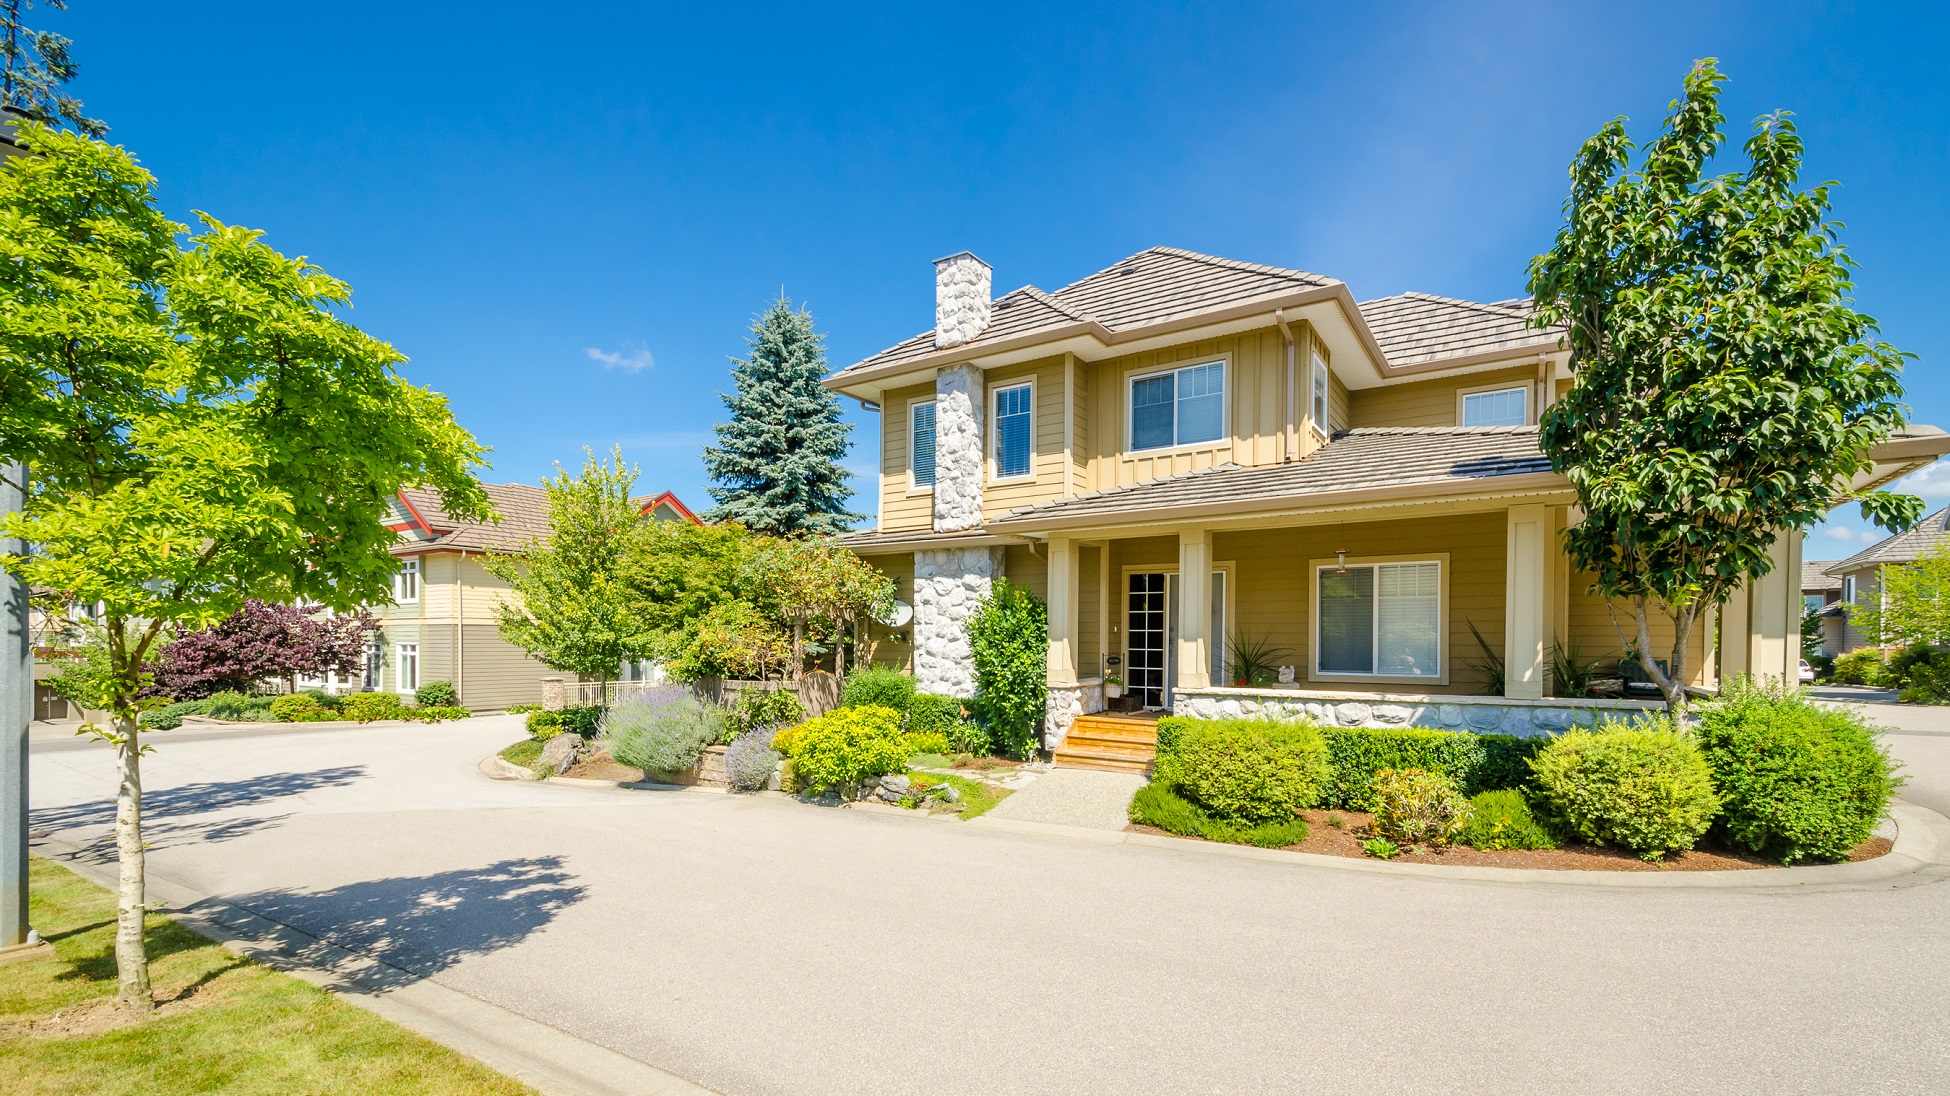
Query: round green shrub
[(1418, 807), (1156, 804), (1502, 819), (1863, 666), (662, 731), (366, 707), (879, 686), (1645, 787), (544, 725), (933, 712), (436, 694), (297, 708), (844, 746), (1241, 770), (1798, 781)]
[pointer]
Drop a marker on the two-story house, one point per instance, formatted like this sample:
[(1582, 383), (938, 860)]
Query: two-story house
[(1858, 578), (1180, 452)]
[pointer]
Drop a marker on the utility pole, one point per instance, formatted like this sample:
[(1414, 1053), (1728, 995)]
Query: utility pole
[(16, 688)]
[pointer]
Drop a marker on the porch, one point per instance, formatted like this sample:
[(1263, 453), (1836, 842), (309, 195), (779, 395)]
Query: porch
[(1444, 617)]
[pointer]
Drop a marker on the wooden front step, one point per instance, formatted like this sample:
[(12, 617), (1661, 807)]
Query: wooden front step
[(1127, 744)]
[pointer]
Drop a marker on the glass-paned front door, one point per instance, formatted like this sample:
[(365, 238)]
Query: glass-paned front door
[(1145, 643)]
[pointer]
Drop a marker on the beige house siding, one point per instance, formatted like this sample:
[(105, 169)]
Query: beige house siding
[(1592, 634), (1025, 568), (889, 651), (497, 672), (1255, 409), (1868, 591), (1433, 402), (1045, 481), (1080, 432), (901, 508)]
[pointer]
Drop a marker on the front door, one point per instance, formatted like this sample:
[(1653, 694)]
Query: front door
[(1147, 642)]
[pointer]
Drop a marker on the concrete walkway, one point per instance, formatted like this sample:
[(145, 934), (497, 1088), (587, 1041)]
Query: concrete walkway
[(1074, 797)]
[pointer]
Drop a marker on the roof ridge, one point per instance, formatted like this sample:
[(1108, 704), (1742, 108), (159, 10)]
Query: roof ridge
[(1433, 431), (1071, 311), (1940, 517), (1240, 264), (1495, 308)]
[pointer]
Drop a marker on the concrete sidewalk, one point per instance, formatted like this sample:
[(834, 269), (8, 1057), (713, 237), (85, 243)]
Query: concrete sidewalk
[(1074, 797)]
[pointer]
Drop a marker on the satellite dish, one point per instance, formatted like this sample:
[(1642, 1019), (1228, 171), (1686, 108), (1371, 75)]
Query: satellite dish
[(899, 615)]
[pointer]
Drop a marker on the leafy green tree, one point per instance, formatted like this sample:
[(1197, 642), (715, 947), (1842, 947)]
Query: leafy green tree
[(573, 614), (202, 427), (1726, 391), (816, 586), (36, 66), (777, 462), (1009, 637), (1911, 604), (678, 572)]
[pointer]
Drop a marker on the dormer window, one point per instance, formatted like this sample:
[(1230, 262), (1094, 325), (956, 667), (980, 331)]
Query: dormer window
[(406, 584), (1497, 407), (920, 418), (1179, 407)]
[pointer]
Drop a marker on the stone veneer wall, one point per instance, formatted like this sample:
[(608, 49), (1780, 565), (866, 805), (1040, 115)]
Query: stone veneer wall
[(962, 286), (957, 448), (1065, 703), (948, 586), (1485, 715)]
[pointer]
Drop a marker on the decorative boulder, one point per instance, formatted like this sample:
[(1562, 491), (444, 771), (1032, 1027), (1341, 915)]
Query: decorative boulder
[(562, 752)]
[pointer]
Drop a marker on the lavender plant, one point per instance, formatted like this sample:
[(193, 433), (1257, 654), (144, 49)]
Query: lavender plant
[(661, 731)]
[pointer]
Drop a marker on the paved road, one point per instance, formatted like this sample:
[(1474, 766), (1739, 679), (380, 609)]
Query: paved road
[(763, 946)]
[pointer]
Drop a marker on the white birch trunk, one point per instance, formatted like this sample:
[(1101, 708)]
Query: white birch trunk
[(131, 903)]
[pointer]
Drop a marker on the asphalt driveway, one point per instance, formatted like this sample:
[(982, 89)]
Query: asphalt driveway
[(758, 945)]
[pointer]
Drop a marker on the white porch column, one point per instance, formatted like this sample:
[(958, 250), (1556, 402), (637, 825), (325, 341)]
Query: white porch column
[(1062, 611), (1736, 634), (1526, 601), (1776, 643), (1195, 609)]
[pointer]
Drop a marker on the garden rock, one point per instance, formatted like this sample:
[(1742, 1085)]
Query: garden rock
[(900, 786), (946, 793), (562, 752)]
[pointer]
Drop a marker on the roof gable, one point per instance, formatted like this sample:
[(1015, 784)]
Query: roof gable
[(1912, 544)]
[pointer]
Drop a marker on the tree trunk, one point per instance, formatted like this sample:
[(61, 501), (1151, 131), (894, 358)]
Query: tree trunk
[(839, 650), (131, 905), (798, 647), (1671, 682)]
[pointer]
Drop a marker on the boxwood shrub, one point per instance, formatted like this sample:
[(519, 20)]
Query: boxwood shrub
[(880, 686), (1156, 804), (1644, 786), (1243, 770), (1505, 763), (1798, 781), (844, 746), (1356, 754)]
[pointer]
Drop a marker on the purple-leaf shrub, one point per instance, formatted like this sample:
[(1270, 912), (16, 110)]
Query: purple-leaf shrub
[(260, 641)]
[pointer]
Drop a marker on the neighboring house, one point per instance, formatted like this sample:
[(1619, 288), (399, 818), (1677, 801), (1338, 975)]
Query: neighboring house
[(1821, 592), (441, 624), (1359, 484), (1860, 575)]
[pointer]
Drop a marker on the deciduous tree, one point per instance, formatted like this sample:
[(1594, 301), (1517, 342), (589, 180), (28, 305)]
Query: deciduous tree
[(1726, 391), (261, 641), (203, 427), (1911, 604)]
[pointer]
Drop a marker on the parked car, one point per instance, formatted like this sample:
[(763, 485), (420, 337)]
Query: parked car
[(1807, 673)]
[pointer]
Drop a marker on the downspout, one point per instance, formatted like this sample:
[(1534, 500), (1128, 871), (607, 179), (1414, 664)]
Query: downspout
[(1544, 385), (1289, 430), (460, 632)]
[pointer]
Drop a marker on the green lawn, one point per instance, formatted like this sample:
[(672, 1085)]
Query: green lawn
[(528, 754), (227, 1024)]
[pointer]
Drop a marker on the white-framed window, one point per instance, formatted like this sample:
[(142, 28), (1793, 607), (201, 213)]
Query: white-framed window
[(920, 442), (1848, 589), (406, 584), (1320, 395), (1015, 415), (1812, 603), (1497, 407), (406, 667), (1184, 406), (1378, 619)]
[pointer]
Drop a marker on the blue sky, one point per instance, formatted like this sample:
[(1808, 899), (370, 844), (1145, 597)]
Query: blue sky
[(566, 216)]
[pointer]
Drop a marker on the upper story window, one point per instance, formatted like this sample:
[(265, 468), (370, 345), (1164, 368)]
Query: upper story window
[(1013, 434), (1320, 395), (920, 435), (1848, 589), (406, 584), (1181, 407), (1502, 407)]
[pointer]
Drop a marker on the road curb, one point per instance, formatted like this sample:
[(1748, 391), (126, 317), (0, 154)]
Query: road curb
[(545, 1057)]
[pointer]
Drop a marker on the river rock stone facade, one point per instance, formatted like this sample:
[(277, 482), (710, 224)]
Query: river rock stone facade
[(962, 285), (957, 448), (948, 586), (1484, 715), (1064, 704)]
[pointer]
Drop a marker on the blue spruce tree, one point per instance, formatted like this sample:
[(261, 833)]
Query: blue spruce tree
[(776, 467)]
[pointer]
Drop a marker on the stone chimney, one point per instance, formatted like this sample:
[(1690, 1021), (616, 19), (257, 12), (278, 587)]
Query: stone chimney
[(961, 299)]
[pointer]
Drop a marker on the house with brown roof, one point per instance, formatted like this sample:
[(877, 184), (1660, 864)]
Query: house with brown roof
[(1859, 577), (440, 625), (1189, 456), (1821, 594)]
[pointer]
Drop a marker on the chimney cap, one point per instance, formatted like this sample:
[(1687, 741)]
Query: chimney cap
[(959, 255)]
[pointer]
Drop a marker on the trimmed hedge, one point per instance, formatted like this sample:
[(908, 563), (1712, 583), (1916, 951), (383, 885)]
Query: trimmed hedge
[(1505, 764), (1156, 804), (1799, 781), (879, 686), (1358, 753), (1243, 770), (1646, 787)]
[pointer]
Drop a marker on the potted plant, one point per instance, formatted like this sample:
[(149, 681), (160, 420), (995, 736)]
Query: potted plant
[(1113, 686)]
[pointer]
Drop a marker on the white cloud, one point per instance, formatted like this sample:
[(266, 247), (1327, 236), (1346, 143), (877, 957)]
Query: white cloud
[(1931, 482), (632, 361), (1852, 536)]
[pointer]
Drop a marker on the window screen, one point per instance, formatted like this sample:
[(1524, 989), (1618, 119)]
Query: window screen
[(1383, 619), (1183, 407), (1505, 408)]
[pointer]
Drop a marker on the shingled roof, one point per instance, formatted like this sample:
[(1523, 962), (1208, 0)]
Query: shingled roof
[(1444, 459), (1154, 286), (1412, 328), (1815, 577), (1906, 547), (524, 518)]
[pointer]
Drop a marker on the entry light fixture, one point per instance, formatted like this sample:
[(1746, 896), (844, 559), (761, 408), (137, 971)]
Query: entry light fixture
[(1341, 554)]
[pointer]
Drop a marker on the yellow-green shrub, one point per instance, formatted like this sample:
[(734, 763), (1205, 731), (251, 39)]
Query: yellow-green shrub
[(366, 707), (1418, 807), (1243, 770), (1645, 787), (844, 746)]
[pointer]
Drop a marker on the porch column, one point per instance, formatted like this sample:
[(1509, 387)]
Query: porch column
[(1736, 634), (1777, 613), (1526, 602), (1062, 611), (1195, 609)]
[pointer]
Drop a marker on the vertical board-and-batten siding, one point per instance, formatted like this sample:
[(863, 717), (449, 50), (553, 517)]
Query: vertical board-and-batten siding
[(1045, 481), (901, 509)]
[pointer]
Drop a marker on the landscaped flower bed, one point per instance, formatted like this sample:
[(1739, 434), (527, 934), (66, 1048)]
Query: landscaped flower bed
[(1767, 777)]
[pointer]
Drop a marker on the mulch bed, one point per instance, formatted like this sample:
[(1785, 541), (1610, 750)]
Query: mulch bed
[(601, 766), (1328, 840)]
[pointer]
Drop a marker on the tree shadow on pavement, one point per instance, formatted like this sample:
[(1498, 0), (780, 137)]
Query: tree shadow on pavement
[(427, 923), (204, 798)]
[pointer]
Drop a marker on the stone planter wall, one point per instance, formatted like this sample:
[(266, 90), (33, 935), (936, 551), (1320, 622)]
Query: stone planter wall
[(1482, 714), (708, 772)]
